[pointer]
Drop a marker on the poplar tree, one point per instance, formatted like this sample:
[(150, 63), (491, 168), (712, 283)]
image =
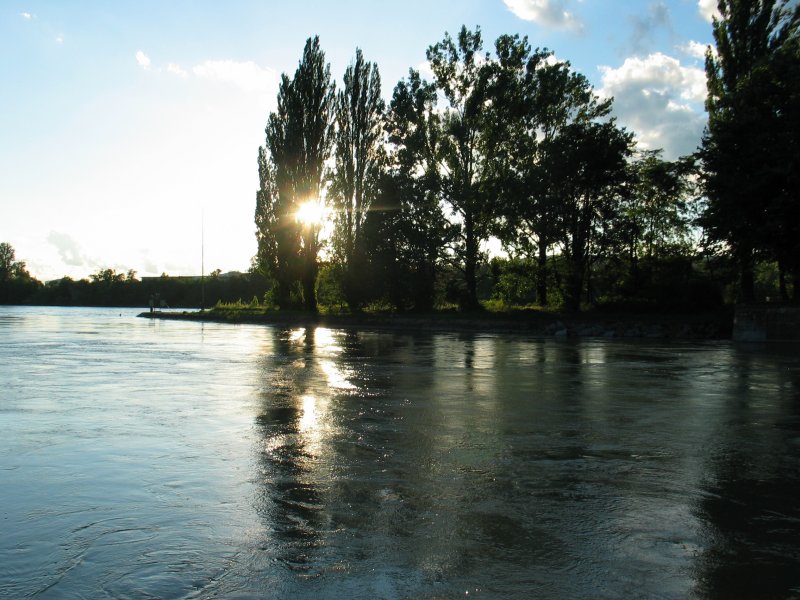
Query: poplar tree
[(291, 164), (358, 160)]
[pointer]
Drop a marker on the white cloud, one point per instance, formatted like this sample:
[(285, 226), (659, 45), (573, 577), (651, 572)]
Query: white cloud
[(551, 13), (694, 49), (60, 38), (69, 249), (142, 59), (425, 70), (246, 75), (708, 9), (176, 70), (26, 15), (660, 100)]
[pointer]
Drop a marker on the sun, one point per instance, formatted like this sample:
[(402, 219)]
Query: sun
[(311, 212)]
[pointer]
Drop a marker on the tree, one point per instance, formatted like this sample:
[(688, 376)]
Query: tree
[(747, 171), (654, 222), (535, 99), (358, 160), (407, 229), (460, 72), (588, 160), (7, 261), (16, 284), (299, 136)]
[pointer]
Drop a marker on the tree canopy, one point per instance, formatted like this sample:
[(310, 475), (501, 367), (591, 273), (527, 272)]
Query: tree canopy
[(514, 145), (750, 148)]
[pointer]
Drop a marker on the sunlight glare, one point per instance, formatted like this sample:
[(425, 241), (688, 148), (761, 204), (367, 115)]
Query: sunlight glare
[(311, 212)]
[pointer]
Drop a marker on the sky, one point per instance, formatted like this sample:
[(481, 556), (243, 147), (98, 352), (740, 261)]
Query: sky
[(129, 131)]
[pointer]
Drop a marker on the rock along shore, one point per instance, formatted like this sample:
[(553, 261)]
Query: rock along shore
[(701, 326)]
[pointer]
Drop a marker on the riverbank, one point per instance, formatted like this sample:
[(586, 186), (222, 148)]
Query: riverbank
[(560, 325)]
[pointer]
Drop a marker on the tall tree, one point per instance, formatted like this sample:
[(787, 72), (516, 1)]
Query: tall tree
[(408, 229), (358, 160), (299, 137), (535, 98), (745, 174), (460, 71), (316, 95), (785, 213), (588, 160)]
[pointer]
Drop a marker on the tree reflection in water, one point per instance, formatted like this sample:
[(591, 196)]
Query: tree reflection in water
[(427, 465)]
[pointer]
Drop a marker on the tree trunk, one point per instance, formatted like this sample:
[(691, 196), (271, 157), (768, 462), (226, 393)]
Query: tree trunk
[(747, 288), (796, 285), (541, 274), (471, 263), (572, 298), (283, 293), (309, 292), (309, 276), (782, 281)]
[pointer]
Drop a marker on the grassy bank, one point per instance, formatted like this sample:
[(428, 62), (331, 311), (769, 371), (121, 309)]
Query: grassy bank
[(543, 323)]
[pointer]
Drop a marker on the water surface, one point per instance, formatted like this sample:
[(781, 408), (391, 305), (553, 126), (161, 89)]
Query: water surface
[(182, 460)]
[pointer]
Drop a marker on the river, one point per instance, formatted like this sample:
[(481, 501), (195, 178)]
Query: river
[(169, 459)]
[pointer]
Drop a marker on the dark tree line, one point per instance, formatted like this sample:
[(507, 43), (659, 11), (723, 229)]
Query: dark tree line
[(108, 287), (751, 146), (515, 145)]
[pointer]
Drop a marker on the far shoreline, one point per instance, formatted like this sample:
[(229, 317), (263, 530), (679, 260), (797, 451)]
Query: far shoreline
[(559, 325)]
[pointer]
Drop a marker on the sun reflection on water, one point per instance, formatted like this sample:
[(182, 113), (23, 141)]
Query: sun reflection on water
[(337, 376), (309, 419)]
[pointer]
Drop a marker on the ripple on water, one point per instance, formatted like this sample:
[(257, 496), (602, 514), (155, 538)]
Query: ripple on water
[(142, 459)]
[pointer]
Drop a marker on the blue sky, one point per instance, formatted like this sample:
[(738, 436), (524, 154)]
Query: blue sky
[(121, 123)]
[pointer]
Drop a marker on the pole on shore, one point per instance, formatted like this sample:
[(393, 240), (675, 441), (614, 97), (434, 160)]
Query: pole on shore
[(202, 259)]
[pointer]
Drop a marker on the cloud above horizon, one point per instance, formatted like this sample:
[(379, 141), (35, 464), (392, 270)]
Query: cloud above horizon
[(142, 59), (708, 9), (247, 75), (26, 15), (550, 13), (660, 100), (69, 250), (694, 49)]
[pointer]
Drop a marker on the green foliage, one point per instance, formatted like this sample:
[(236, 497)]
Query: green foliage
[(751, 148), (16, 284), (329, 291), (524, 150), (406, 231), (359, 158), (106, 287), (461, 72), (514, 281), (298, 142)]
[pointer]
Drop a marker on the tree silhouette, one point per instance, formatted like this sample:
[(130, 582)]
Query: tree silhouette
[(407, 230), (536, 99), (460, 70), (359, 159), (588, 159), (7, 261), (299, 137), (750, 147)]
